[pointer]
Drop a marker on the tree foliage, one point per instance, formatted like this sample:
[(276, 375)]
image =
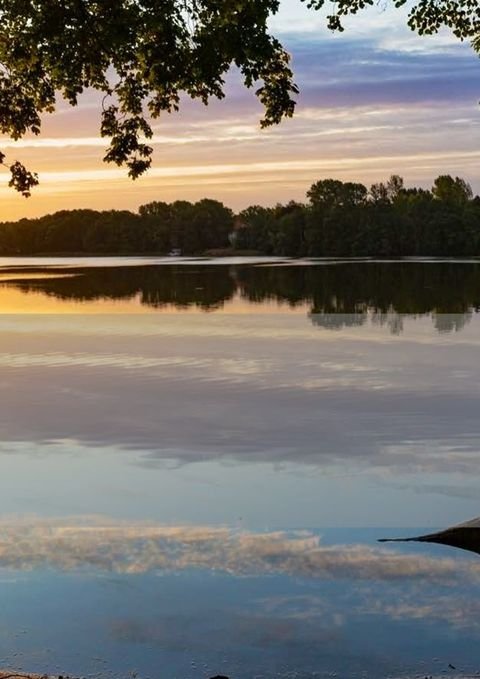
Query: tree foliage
[(157, 228), (452, 191), (143, 55), (425, 17), (344, 219)]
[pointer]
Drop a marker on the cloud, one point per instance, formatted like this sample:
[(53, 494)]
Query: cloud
[(382, 24), (357, 72)]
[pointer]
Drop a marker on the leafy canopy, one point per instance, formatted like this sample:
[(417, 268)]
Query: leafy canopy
[(142, 55), (425, 17)]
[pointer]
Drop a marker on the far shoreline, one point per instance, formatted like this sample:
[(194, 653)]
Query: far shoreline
[(241, 253)]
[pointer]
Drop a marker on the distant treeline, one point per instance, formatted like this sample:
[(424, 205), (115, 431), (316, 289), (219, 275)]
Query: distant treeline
[(339, 219), (157, 227)]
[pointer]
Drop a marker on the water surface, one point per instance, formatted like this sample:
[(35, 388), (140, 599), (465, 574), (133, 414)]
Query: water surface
[(197, 458)]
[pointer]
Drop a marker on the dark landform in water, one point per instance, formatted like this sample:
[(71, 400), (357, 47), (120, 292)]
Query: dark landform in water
[(335, 294), (464, 536), (339, 219)]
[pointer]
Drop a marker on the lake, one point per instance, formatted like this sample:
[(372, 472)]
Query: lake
[(198, 457)]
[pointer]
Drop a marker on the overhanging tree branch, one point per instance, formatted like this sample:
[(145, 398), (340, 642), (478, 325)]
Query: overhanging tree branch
[(143, 56)]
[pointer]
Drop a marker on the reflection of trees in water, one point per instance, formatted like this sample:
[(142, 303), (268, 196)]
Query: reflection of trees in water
[(157, 287), (183, 287), (451, 322), (393, 320), (352, 288), (349, 294), (338, 321), (339, 294)]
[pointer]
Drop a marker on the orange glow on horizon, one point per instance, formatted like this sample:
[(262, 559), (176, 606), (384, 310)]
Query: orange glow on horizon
[(16, 301), (227, 157)]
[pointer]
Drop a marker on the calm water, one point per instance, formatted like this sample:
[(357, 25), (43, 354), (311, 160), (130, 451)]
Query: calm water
[(197, 458)]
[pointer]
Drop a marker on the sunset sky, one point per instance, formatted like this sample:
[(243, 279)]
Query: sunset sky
[(374, 100)]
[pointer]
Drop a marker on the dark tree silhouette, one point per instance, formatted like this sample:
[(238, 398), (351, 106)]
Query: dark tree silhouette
[(141, 56), (341, 219), (345, 220)]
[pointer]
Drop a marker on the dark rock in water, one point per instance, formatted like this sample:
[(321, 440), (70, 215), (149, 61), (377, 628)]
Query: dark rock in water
[(464, 536), (219, 676)]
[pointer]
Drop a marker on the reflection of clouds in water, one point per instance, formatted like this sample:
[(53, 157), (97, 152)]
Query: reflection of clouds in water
[(458, 611), (177, 632), (206, 369), (278, 326), (139, 548), (429, 605), (242, 419), (252, 390), (465, 492), (255, 372)]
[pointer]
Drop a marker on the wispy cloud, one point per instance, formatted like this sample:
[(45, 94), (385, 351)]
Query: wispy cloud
[(269, 170)]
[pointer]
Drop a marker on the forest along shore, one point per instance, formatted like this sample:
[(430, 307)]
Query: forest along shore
[(338, 219)]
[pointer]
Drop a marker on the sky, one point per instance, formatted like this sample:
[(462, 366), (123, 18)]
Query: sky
[(373, 101)]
